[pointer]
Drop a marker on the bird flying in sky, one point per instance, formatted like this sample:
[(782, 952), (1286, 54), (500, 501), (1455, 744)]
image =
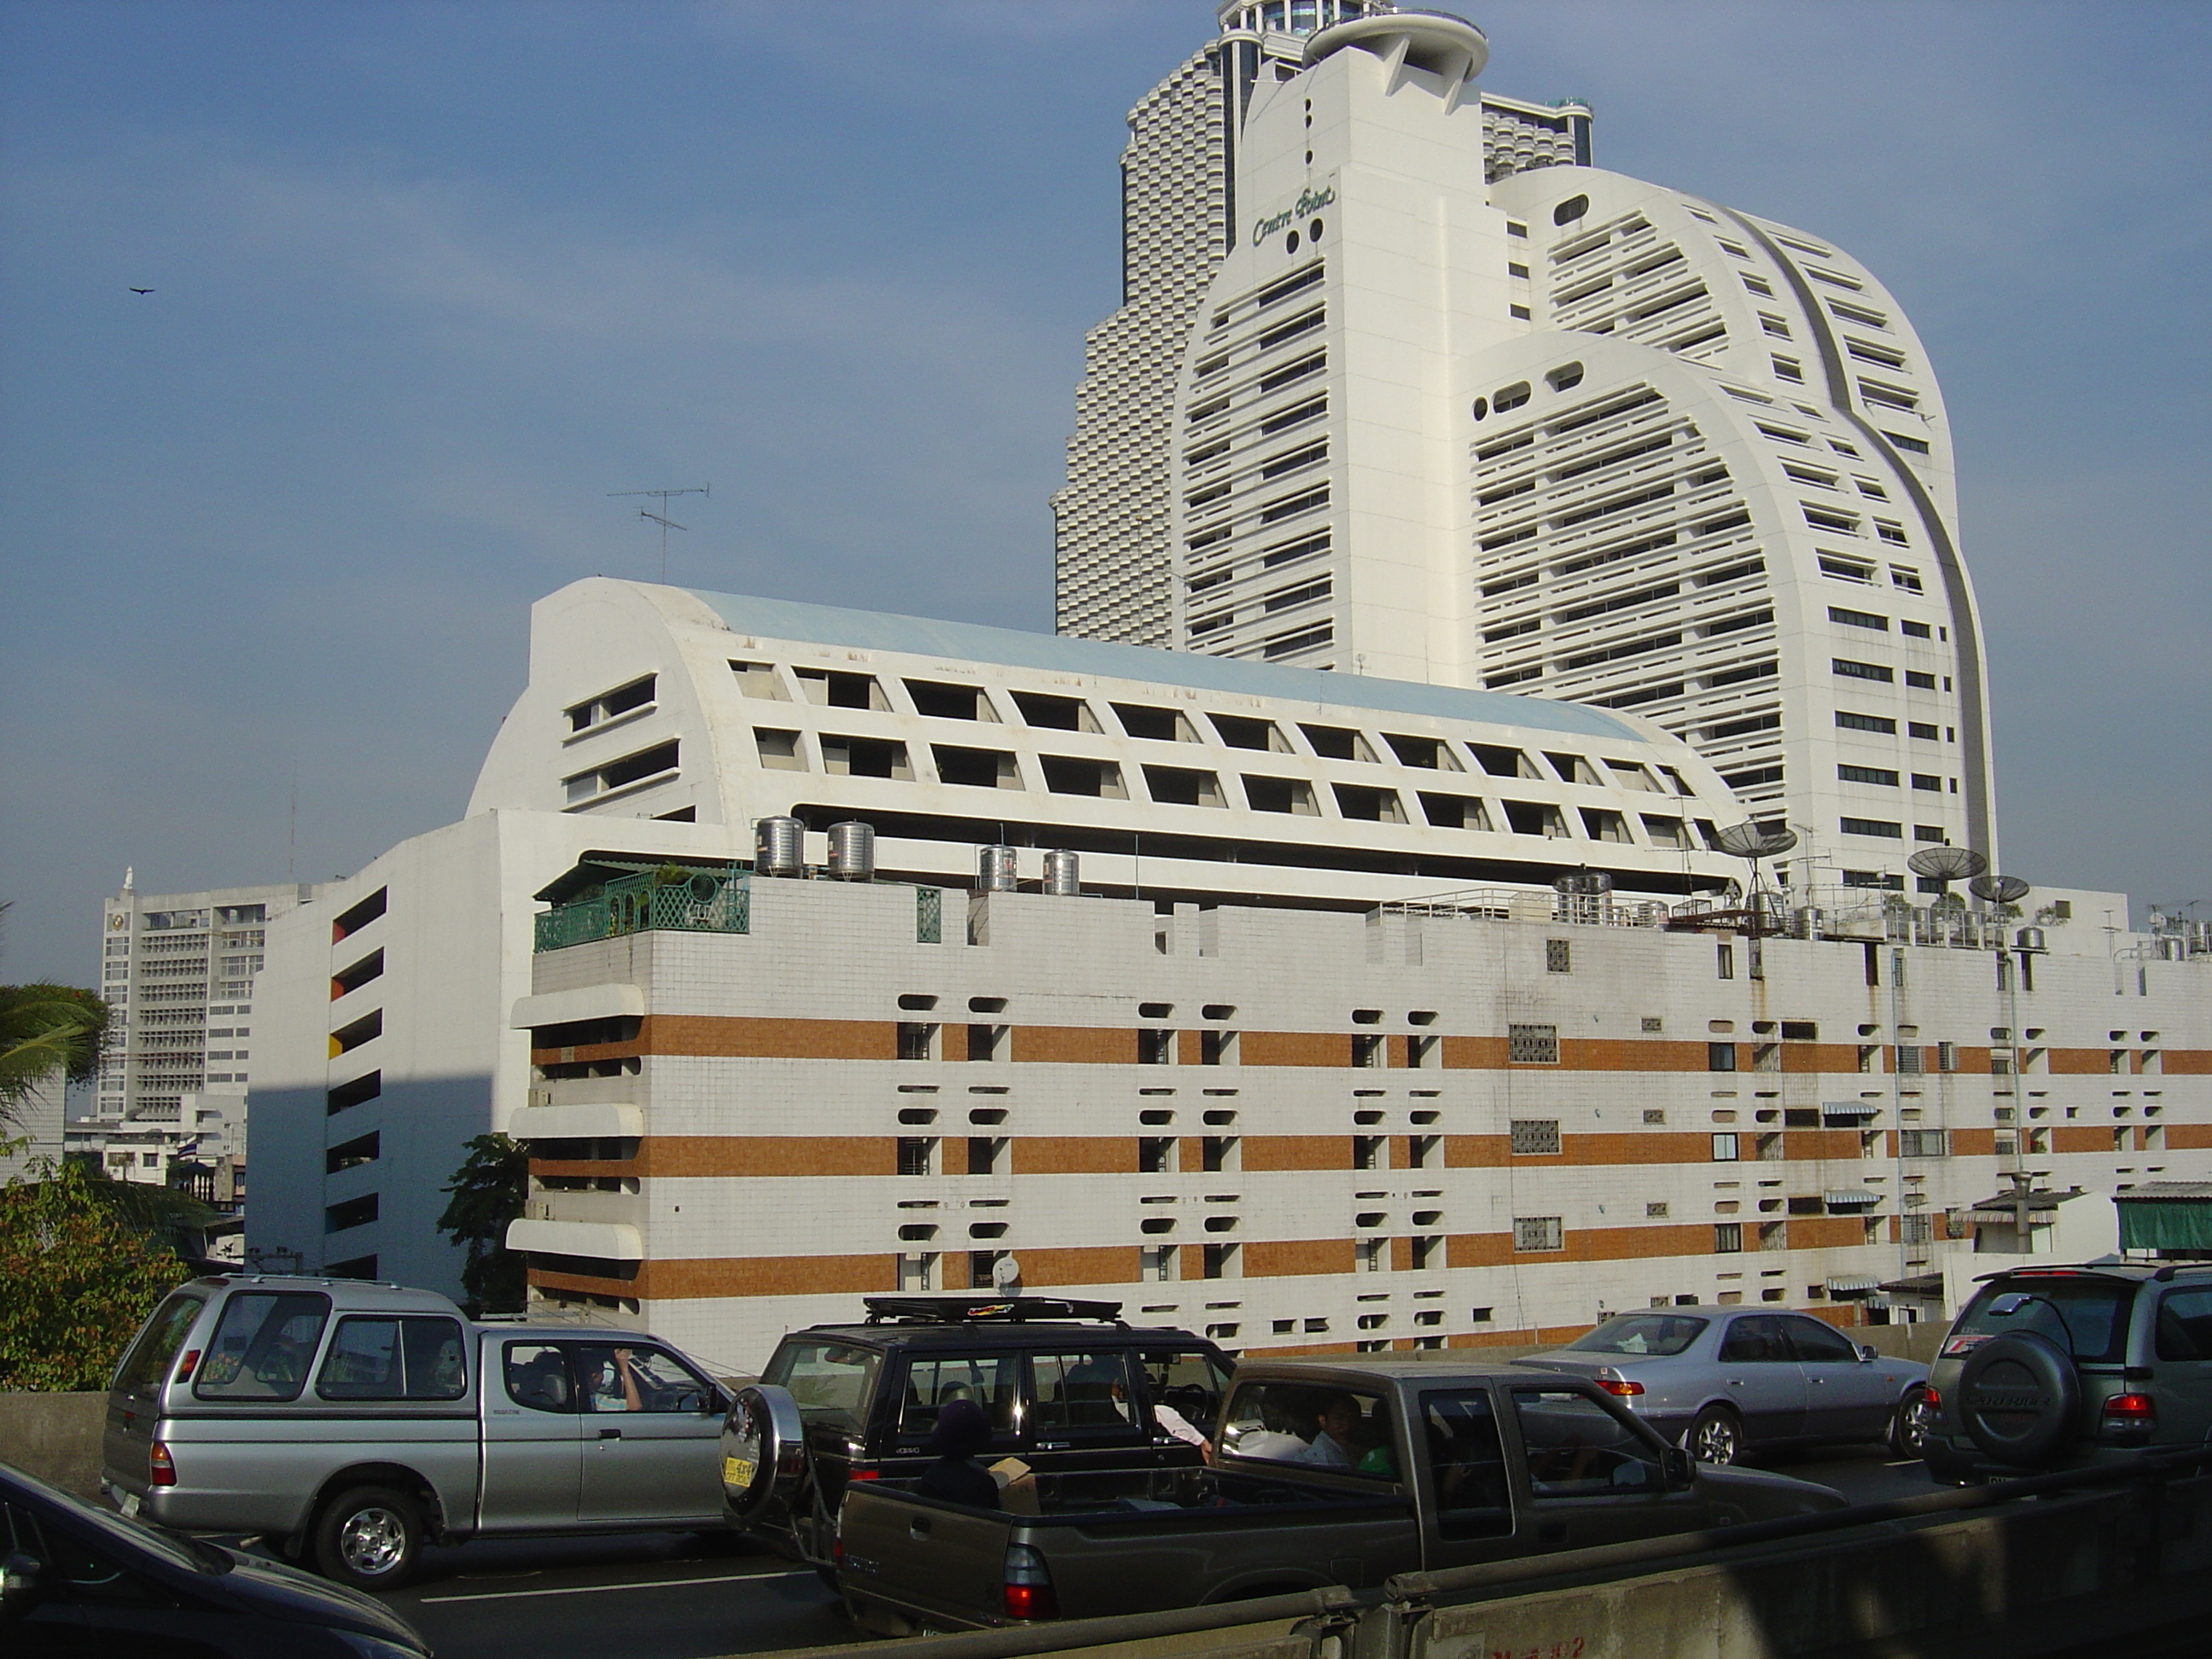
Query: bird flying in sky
[(142, 290)]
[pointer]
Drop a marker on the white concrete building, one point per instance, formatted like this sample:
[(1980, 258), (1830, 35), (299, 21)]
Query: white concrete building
[(1554, 429), (178, 972), (1320, 1009)]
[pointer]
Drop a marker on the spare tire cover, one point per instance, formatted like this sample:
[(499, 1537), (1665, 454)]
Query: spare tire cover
[(2019, 1398), (763, 1450)]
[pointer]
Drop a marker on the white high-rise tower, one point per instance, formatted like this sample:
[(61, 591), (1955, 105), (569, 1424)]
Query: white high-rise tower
[(1549, 428)]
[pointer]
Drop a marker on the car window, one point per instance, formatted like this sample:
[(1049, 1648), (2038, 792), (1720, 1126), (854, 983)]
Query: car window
[(830, 1382), (537, 1377), (993, 1381), (1575, 1448), (79, 1573), (1082, 1392), (623, 1378), (2184, 1324), (148, 1362), (1467, 1464), (2086, 1317), (1641, 1334), (1818, 1344), (1319, 1426), (263, 1347), (1756, 1341), (394, 1358), (1188, 1381)]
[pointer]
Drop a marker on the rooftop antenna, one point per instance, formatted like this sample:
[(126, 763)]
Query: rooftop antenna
[(1752, 842), (661, 518)]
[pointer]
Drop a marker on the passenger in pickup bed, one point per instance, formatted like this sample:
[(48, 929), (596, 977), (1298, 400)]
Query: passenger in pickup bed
[(961, 1431)]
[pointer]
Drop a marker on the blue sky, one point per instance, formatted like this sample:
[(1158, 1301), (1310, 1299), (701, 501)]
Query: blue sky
[(432, 278)]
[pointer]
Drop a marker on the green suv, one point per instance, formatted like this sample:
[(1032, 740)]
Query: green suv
[(2057, 1368)]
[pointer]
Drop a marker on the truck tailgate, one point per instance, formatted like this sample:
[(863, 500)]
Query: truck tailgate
[(932, 1557)]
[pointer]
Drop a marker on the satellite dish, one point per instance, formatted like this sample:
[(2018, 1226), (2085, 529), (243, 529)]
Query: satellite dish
[(1586, 882), (1006, 1274), (1754, 841), (1999, 889), (1946, 863)]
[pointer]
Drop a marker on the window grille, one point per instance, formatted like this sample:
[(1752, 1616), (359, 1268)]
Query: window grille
[(1535, 1137), (1558, 956), (1537, 1232), (1532, 1045)]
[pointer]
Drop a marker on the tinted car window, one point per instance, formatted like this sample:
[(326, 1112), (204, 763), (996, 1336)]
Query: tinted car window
[(1187, 1380), (394, 1358), (1081, 1393), (1318, 1426), (2086, 1317), (1640, 1334), (263, 1347), (1467, 1464), (831, 1381), (1818, 1343), (148, 1362), (1575, 1448), (2184, 1325), (1756, 1341), (537, 1377), (933, 1381)]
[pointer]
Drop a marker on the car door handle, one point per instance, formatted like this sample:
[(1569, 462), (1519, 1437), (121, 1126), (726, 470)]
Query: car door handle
[(610, 1434)]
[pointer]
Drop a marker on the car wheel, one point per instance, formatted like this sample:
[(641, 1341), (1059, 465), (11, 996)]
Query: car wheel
[(1908, 1425), (1716, 1435), (369, 1538)]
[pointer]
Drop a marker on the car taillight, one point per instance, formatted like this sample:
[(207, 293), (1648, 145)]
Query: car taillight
[(837, 1550), (1955, 1346), (1029, 1585), (863, 1475), (161, 1468), (1930, 1398), (2131, 1411), (1625, 1387), (185, 1365)]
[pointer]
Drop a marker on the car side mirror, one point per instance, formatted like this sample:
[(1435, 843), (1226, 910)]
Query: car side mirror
[(22, 1583), (1868, 1353), (1681, 1473)]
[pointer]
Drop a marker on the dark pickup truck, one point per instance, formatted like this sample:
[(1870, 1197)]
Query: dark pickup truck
[(1321, 1473)]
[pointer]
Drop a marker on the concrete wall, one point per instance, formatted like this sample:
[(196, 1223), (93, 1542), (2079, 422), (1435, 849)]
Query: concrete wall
[(55, 1437)]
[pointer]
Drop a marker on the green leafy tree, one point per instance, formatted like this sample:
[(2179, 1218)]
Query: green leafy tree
[(488, 1190), (75, 1281)]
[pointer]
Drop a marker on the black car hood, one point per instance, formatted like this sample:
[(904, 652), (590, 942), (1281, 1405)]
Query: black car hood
[(276, 1591)]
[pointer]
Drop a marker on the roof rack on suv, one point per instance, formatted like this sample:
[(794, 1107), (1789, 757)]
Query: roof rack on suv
[(968, 1310)]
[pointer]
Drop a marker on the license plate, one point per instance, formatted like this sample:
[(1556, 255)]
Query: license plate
[(129, 1506), (738, 1471)]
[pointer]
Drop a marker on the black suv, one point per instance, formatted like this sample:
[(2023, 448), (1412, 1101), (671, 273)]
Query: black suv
[(1067, 1385), (2052, 1368)]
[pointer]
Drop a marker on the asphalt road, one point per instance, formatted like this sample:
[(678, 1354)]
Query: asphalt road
[(678, 1597)]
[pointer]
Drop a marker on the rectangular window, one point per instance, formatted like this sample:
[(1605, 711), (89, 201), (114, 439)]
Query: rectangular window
[(1535, 1137), (394, 1358), (1537, 1232), (1867, 723), (359, 1090), (1725, 1148), (917, 1041), (645, 764), (1532, 1045), (1858, 618), (1863, 671), (1881, 775), (914, 1154), (1922, 1142), (1558, 956), (1879, 827), (1917, 680), (352, 921), (1728, 1237), (1156, 1155), (1927, 780), (263, 1347)]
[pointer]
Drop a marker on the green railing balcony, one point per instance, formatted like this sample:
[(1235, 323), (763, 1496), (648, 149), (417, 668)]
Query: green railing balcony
[(670, 898)]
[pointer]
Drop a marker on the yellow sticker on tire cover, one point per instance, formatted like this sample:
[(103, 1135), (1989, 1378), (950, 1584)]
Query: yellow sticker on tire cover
[(738, 1471)]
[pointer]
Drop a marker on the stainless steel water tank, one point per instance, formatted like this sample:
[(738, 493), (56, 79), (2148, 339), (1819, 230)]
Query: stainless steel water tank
[(780, 847), (994, 869), (1063, 874), (2030, 939), (853, 851)]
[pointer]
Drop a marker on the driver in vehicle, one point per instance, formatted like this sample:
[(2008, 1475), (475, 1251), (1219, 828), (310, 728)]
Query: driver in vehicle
[(614, 1386)]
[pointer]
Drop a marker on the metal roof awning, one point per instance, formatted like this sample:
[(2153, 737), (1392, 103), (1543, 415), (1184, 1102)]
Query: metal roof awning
[(1914, 1285), (1850, 1111), (1852, 1284), (1856, 1199), (2167, 1215)]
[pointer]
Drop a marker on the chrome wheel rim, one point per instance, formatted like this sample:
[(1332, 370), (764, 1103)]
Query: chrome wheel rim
[(1912, 1434), (1714, 1441), (372, 1541)]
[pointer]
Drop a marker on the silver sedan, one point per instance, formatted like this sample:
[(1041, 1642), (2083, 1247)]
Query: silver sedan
[(1726, 1380)]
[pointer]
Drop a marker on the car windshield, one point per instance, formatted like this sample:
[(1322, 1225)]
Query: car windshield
[(1640, 1334), (2087, 1317), (108, 1527), (831, 1382)]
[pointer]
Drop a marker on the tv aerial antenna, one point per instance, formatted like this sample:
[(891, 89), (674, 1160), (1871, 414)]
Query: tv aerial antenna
[(661, 518), (1945, 864), (1753, 843), (1999, 889)]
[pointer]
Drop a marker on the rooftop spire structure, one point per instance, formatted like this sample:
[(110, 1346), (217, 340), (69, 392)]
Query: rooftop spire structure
[(1403, 385)]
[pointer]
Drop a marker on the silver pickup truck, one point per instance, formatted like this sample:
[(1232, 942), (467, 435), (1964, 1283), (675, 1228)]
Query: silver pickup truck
[(348, 1423), (1322, 1474)]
